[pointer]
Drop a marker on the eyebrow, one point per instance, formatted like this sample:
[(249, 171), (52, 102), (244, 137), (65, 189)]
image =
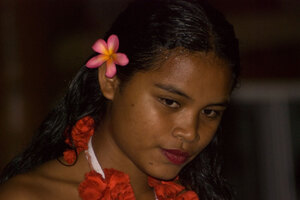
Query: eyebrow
[(174, 90), (223, 104)]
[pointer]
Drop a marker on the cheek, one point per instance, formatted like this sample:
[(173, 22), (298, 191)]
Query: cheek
[(207, 133), (136, 121)]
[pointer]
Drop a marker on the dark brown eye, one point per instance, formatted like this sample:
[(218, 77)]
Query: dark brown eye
[(210, 113), (169, 102)]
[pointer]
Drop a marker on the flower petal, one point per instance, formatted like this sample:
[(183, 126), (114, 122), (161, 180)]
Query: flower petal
[(100, 46), (96, 61), (113, 44), (121, 59), (111, 69), (69, 156)]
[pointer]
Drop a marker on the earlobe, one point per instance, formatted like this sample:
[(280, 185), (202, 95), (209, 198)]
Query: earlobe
[(108, 86)]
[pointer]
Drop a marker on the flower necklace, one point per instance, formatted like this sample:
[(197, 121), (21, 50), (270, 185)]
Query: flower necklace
[(111, 184)]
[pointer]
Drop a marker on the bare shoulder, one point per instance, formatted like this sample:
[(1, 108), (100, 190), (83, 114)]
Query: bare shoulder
[(46, 182), (20, 187)]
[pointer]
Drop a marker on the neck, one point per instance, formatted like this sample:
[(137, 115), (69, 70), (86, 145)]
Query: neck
[(110, 156)]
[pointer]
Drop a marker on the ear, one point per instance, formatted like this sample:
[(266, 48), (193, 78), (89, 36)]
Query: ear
[(109, 86)]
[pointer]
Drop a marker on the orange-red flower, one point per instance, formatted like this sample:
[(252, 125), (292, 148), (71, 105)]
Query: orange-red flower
[(169, 190), (93, 187), (69, 156), (116, 186), (80, 133), (119, 185)]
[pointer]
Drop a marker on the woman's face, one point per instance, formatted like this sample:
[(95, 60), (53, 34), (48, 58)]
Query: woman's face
[(161, 119)]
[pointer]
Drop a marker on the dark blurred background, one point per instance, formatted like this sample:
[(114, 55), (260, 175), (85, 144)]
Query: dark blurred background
[(44, 43)]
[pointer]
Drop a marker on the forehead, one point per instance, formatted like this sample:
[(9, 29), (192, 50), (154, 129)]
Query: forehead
[(184, 64), (193, 73)]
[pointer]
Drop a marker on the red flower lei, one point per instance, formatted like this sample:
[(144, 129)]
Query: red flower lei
[(116, 185), (81, 133)]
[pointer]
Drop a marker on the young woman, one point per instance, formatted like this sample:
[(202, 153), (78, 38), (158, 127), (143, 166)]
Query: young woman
[(143, 123)]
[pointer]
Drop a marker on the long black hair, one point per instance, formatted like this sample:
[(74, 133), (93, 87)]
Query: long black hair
[(146, 29)]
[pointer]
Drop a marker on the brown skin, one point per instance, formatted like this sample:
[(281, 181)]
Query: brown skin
[(143, 118), (49, 181)]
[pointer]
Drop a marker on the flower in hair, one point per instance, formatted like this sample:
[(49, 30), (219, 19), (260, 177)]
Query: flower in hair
[(108, 54)]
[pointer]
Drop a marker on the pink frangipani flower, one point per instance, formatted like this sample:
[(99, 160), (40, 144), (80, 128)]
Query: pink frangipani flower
[(108, 54)]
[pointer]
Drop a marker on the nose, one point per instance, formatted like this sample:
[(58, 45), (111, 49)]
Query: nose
[(187, 129)]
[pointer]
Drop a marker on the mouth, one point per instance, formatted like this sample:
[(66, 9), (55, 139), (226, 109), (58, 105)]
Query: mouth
[(175, 156)]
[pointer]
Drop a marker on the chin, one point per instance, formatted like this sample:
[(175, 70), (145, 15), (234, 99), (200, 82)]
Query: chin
[(164, 174)]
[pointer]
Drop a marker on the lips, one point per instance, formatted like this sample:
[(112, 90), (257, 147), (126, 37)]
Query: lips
[(175, 156)]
